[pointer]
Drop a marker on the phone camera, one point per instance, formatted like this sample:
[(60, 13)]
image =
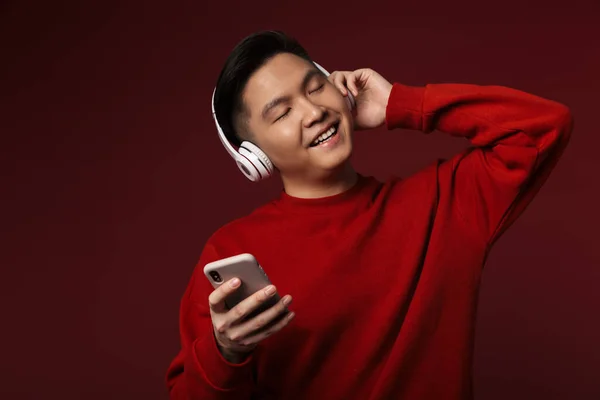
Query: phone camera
[(216, 277)]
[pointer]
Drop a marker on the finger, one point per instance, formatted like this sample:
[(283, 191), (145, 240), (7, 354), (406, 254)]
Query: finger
[(261, 321), (331, 78), (282, 323), (340, 83), (216, 300), (246, 307), (351, 84)]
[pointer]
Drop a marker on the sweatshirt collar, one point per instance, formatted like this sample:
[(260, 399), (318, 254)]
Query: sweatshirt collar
[(353, 199)]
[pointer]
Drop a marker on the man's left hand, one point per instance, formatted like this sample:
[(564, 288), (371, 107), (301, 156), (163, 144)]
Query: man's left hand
[(371, 92)]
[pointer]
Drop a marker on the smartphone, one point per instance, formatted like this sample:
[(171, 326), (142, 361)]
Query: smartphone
[(250, 273)]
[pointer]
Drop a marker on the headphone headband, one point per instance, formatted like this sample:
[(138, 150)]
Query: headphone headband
[(222, 136)]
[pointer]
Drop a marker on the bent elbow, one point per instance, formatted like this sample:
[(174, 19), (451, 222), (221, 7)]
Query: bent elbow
[(563, 120)]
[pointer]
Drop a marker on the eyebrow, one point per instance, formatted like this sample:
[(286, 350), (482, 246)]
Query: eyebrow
[(279, 100)]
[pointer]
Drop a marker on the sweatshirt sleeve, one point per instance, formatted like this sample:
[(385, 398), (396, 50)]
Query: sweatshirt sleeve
[(199, 371), (517, 139)]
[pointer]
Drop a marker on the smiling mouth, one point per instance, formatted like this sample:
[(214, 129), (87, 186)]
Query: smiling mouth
[(331, 132)]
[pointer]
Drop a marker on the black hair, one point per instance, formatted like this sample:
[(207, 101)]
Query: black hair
[(248, 56)]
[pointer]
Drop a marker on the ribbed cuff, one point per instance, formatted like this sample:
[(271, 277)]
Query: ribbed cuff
[(405, 107), (220, 373)]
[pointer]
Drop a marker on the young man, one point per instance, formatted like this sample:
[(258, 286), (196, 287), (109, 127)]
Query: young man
[(384, 275)]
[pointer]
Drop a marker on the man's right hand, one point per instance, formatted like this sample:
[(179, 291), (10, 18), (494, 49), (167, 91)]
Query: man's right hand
[(235, 335)]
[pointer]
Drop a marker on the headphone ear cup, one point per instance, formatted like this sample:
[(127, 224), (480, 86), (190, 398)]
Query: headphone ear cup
[(258, 158), (247, 168)]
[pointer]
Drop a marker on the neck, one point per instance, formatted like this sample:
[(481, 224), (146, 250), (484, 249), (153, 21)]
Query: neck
[(336, 183)]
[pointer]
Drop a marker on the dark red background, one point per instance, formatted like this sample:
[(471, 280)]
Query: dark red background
[(114, 178)]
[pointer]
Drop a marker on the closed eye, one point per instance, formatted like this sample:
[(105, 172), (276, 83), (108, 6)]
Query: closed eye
[(282, 116), (320, 88)]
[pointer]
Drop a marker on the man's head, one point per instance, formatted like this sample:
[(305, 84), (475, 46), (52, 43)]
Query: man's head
[(271, 94)]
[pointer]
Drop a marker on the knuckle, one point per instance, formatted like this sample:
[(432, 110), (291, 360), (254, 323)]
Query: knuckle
[(260, 322), (220, 327), (224, 290), (232, 337), (260, 296), (239, 311), (212, 301)]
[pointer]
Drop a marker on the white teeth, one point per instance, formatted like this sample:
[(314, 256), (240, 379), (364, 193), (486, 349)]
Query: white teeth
[(324, 136)]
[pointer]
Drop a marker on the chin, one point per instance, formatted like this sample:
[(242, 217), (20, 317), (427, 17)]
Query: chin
[(337, 158)]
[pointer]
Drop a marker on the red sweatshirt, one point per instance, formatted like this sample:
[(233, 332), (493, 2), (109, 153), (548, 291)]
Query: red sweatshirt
[(385, 276)]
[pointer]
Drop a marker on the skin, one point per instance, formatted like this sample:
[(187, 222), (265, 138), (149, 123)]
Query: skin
[(285, 132), (289, 102)]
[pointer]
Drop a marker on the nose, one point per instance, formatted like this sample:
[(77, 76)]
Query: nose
[(313, 113)]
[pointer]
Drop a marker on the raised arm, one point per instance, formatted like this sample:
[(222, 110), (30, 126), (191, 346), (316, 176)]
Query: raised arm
[(517, 140)]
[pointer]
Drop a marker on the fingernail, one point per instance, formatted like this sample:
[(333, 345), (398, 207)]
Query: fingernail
[(234, 282), (270, 290), (287, 300), (291, 315)]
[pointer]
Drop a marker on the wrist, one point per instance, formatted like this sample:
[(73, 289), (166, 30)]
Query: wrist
[(232, 356)]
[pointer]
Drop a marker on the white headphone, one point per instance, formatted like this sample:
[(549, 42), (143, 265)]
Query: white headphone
[(251, 160)]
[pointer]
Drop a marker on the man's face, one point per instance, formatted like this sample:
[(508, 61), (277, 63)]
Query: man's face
[(298, 118)]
